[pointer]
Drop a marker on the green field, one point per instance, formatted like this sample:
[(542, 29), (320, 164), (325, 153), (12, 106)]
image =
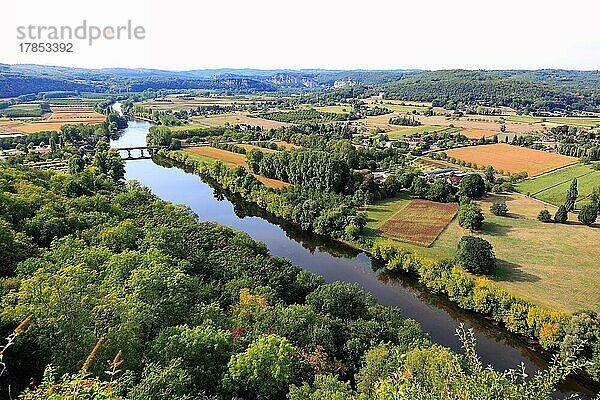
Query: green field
[(573, 121), (402, 131), (553, 186), (382, 210), (22, 110)]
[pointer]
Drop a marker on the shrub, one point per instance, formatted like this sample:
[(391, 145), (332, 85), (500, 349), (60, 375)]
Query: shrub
[(588, 214), (476, 255), (561, 214), (470, 216), (544, 216), (500, 209)]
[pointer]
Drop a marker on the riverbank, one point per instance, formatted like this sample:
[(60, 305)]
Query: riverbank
[(336, 261), (542, 330)]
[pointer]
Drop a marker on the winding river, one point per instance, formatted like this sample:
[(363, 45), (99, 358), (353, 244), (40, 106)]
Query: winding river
[(334, 261)]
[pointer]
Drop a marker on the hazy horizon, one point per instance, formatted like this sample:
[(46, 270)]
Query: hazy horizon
[(338, 35)]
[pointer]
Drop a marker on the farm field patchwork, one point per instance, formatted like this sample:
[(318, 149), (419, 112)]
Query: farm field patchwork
[(61, 116), (511, 158), (418, 222), (210, 154), (553, 186)]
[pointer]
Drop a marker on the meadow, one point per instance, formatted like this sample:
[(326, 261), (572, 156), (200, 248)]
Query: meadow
[(531, 261), (398, 132), (553, 186), (554, 265), (509, 158), (232, 119)]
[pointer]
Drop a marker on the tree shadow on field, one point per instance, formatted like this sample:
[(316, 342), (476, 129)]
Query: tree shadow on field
[(510, 272), (494, 229)]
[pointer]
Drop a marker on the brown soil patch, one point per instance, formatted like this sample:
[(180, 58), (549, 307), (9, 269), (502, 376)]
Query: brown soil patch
[(420, 222)]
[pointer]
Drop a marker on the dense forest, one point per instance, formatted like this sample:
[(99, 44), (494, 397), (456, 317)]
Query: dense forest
[(523, 91)]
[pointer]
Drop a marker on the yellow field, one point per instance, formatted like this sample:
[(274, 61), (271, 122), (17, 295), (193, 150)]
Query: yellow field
[(509, 158), (234, 119), (61, 116), (288, 146), (233, 159), (478, 133)]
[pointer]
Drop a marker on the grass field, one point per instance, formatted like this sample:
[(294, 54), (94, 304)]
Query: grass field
[(553, 186), (210, 154), (555, 265), (401, 131), (22, 110), (233, 119), (510, 158), (488, 123), (406, 108), (411, 221)]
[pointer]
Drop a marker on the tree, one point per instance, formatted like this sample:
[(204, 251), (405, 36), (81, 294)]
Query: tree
[(572, 195), (544, 216), (76, 164), (561, 214), (470, 216), (346, 301), (175, 144), (204, 352), (109, 161), (499, 209), (265, 369), (159, 135), (489, 173), (476, 255), (472, 185), (588, 214)]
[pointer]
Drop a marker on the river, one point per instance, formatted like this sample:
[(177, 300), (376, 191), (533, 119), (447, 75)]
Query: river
[(334, 261)]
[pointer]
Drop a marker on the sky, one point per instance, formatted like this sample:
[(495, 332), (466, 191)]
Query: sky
[(269, 34)]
